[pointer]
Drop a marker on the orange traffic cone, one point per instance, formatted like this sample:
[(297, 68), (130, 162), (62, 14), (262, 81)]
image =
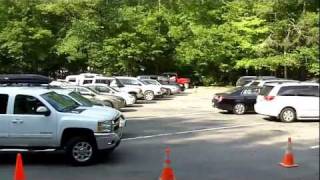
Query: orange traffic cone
[(288, 158), (19, 171), (167, 172)]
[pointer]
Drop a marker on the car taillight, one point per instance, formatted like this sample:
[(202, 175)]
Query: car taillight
[(219, 98), (269, 98)]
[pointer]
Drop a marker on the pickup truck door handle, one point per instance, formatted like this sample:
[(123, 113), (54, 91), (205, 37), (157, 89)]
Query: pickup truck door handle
[(16, 121)]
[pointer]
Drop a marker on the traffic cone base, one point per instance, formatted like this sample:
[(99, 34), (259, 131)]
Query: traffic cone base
[(288, 166)]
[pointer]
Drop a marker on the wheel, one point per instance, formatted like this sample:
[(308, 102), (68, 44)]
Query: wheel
[(148, 95), (239, 109), (135, 96), (168, 92), (288, 115), (81, 151)]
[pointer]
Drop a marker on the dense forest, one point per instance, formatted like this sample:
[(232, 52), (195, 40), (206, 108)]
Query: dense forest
[(214, 41)]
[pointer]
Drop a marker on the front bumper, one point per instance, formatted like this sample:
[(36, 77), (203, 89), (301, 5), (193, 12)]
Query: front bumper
[(110, 140), (107, 140)]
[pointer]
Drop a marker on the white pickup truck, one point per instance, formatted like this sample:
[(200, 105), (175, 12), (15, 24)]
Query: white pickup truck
[(37, 118)]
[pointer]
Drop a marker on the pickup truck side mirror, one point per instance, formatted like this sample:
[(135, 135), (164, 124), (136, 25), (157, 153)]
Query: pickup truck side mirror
[(43, 110)]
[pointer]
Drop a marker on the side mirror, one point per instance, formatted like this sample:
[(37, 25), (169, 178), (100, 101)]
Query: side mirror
[(43, 110)]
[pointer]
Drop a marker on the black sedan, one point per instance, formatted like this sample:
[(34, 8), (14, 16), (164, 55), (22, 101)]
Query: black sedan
[(238, 100)]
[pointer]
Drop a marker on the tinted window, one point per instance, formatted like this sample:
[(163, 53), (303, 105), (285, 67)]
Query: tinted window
[(72, 80), (252, 91), (129, 82), (266, 90), (3, 103), (102, 89), (87, 82), (288, 90), (26, 104), (299, 91), (102, 81), (256, 83)]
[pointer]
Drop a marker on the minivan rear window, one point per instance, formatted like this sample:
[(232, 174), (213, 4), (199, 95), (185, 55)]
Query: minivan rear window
[(266, 90)]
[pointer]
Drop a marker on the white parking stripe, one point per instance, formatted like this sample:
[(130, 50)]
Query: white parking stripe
[(314, 147), (191, 131), (184, 114)]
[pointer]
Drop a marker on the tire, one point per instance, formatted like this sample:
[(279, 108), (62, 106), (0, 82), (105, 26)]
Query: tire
[(288, 115), (149, 95), (135, 96), (239, 109), (169, 92), (81, 151)]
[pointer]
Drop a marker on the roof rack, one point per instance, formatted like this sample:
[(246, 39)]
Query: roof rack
[(23, 80)]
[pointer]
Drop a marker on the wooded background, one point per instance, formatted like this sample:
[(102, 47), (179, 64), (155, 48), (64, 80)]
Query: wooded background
[(212, 41)]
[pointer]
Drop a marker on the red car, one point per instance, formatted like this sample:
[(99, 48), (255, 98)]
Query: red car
[(175, 78)]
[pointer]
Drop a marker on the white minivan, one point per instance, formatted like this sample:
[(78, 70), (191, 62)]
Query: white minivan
[(289, 101)]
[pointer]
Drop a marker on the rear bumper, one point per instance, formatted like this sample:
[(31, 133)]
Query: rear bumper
[(266, 109), (221, 106)]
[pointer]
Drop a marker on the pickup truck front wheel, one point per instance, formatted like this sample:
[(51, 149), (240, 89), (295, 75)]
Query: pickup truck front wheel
[(81, 151)]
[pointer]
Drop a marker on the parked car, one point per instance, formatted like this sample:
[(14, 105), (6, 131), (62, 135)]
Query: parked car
[(243, 80), (116, 102), (289, 101), (81, 100), (91, 78), (182, 81), (170, 89), (238, 100), (105, 89), (149, 91), (261, 83), (38, 118), (154, 77)]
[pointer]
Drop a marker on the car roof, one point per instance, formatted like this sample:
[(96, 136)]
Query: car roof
[(25, 90), (294, 84), (125, 77)]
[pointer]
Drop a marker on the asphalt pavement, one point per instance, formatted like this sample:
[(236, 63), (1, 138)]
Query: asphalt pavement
[(205, 143)]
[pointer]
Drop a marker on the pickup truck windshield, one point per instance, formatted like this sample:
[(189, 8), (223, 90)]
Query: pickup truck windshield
[(59, 102), (84, 101)]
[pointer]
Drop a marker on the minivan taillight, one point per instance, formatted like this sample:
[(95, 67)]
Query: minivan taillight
[(269, 98)]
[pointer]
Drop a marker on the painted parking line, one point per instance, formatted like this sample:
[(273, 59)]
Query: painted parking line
[(191, 131), (314, 147), (175, 115)]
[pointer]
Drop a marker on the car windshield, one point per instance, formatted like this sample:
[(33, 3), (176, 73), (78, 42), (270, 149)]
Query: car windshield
[(151, 82), (234, 90), (84, 101), (113, 89), (144, 82), (93, 90), (59, 102)]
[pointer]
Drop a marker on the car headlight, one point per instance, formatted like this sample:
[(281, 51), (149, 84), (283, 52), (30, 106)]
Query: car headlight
[(104, 126)]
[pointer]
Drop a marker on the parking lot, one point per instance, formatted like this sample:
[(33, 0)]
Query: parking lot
[(206, 143)]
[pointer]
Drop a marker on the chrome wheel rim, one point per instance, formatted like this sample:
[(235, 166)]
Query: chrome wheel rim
[(82, 151), (288, 115), (239, 108), (149, 96)]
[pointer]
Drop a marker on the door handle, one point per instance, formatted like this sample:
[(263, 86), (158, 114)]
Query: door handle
[(14, 121)]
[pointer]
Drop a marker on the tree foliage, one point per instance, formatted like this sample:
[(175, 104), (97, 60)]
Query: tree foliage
[(214, 41)]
